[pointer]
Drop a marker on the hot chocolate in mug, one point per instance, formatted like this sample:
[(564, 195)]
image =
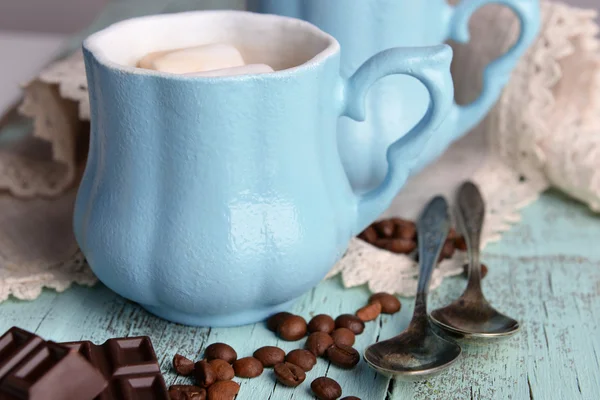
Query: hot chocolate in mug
[(395, 104), (217, 201)]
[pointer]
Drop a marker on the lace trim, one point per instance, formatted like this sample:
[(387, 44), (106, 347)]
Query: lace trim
[(27, 283)]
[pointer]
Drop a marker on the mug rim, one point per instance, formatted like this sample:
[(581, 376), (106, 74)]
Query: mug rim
[(91, 45)]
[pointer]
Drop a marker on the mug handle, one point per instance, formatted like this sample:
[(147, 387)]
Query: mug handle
[(497, 73), (431, 66)]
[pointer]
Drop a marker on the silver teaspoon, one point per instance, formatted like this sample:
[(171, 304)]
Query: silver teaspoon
[(471, 316), (418, 352)]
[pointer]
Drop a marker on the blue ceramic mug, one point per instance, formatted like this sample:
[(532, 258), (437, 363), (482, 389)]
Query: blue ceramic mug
[(395, 104), (218, 201)]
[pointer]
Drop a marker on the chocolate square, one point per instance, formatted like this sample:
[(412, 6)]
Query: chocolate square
[(34, 369), (132, 356), (129, 364), (15, 345)]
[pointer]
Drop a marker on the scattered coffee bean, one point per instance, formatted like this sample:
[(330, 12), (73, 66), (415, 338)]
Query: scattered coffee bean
[(274, 320), (318, 343), (321, 323), (385, 228), (398, 246), (405, 229), (447, 250), (289, 374), (247, 367), (351, 322), (484, 270), (187, 392), (460, 244), (223, 370), (350, 398), (302, 358), (182, 365), (223, 390), (204, 373), (369, 312), (389, 303), (343, 336), (221, 351), (269, 356), (326, 388), (292, 328), (369, 235), (452, 234), (343, 356)]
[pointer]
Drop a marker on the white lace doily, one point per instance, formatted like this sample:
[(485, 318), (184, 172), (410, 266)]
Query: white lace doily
[(543, 132)]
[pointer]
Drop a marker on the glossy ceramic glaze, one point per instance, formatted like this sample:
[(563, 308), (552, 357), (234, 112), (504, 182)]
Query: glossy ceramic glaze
[(217, 201), (395, 104)]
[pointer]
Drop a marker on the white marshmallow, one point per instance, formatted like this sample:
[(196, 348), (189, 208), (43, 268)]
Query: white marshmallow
[(243, 70), (199, 59), (148, 60)]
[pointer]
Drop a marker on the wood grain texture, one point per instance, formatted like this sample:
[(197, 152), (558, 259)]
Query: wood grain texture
[(546, 272)]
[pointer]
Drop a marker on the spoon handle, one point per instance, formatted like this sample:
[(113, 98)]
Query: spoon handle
[(471, 211), (433, 227)]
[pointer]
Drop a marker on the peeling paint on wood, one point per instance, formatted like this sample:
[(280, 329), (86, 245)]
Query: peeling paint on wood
[(546, 272)]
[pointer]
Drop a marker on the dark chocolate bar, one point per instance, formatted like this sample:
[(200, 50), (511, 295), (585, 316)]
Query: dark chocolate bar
[(129, 364), (31, 368)]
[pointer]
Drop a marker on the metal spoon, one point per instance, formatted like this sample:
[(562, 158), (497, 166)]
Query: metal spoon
[(418, 352), (471, 316)]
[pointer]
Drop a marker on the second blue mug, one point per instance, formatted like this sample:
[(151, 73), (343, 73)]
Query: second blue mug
[(397, 103)]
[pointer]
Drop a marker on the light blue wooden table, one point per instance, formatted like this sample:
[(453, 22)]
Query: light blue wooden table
[(546, 272)]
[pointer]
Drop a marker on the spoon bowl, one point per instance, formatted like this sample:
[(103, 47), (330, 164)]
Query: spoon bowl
[(418, 352), (470, 320), (412, 356)]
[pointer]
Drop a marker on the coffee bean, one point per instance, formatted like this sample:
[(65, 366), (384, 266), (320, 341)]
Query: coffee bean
[(269, 356), (351, 322), (343, 336), (369, 235), (326, 388), (204, 373), (187, 392), (223, 370), (389, 303), (274, 320), (405, 229), (385, 228), (369, 312), (289, 374), (447, 250), (343, 356), (484, 270), (302, 358), (321, 323), (247, 367), (398, 246), (460, 244), (452, 234), (292, 328), (318, 342), (221, 351), (182, 365), (350, 398), (223, 390)]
